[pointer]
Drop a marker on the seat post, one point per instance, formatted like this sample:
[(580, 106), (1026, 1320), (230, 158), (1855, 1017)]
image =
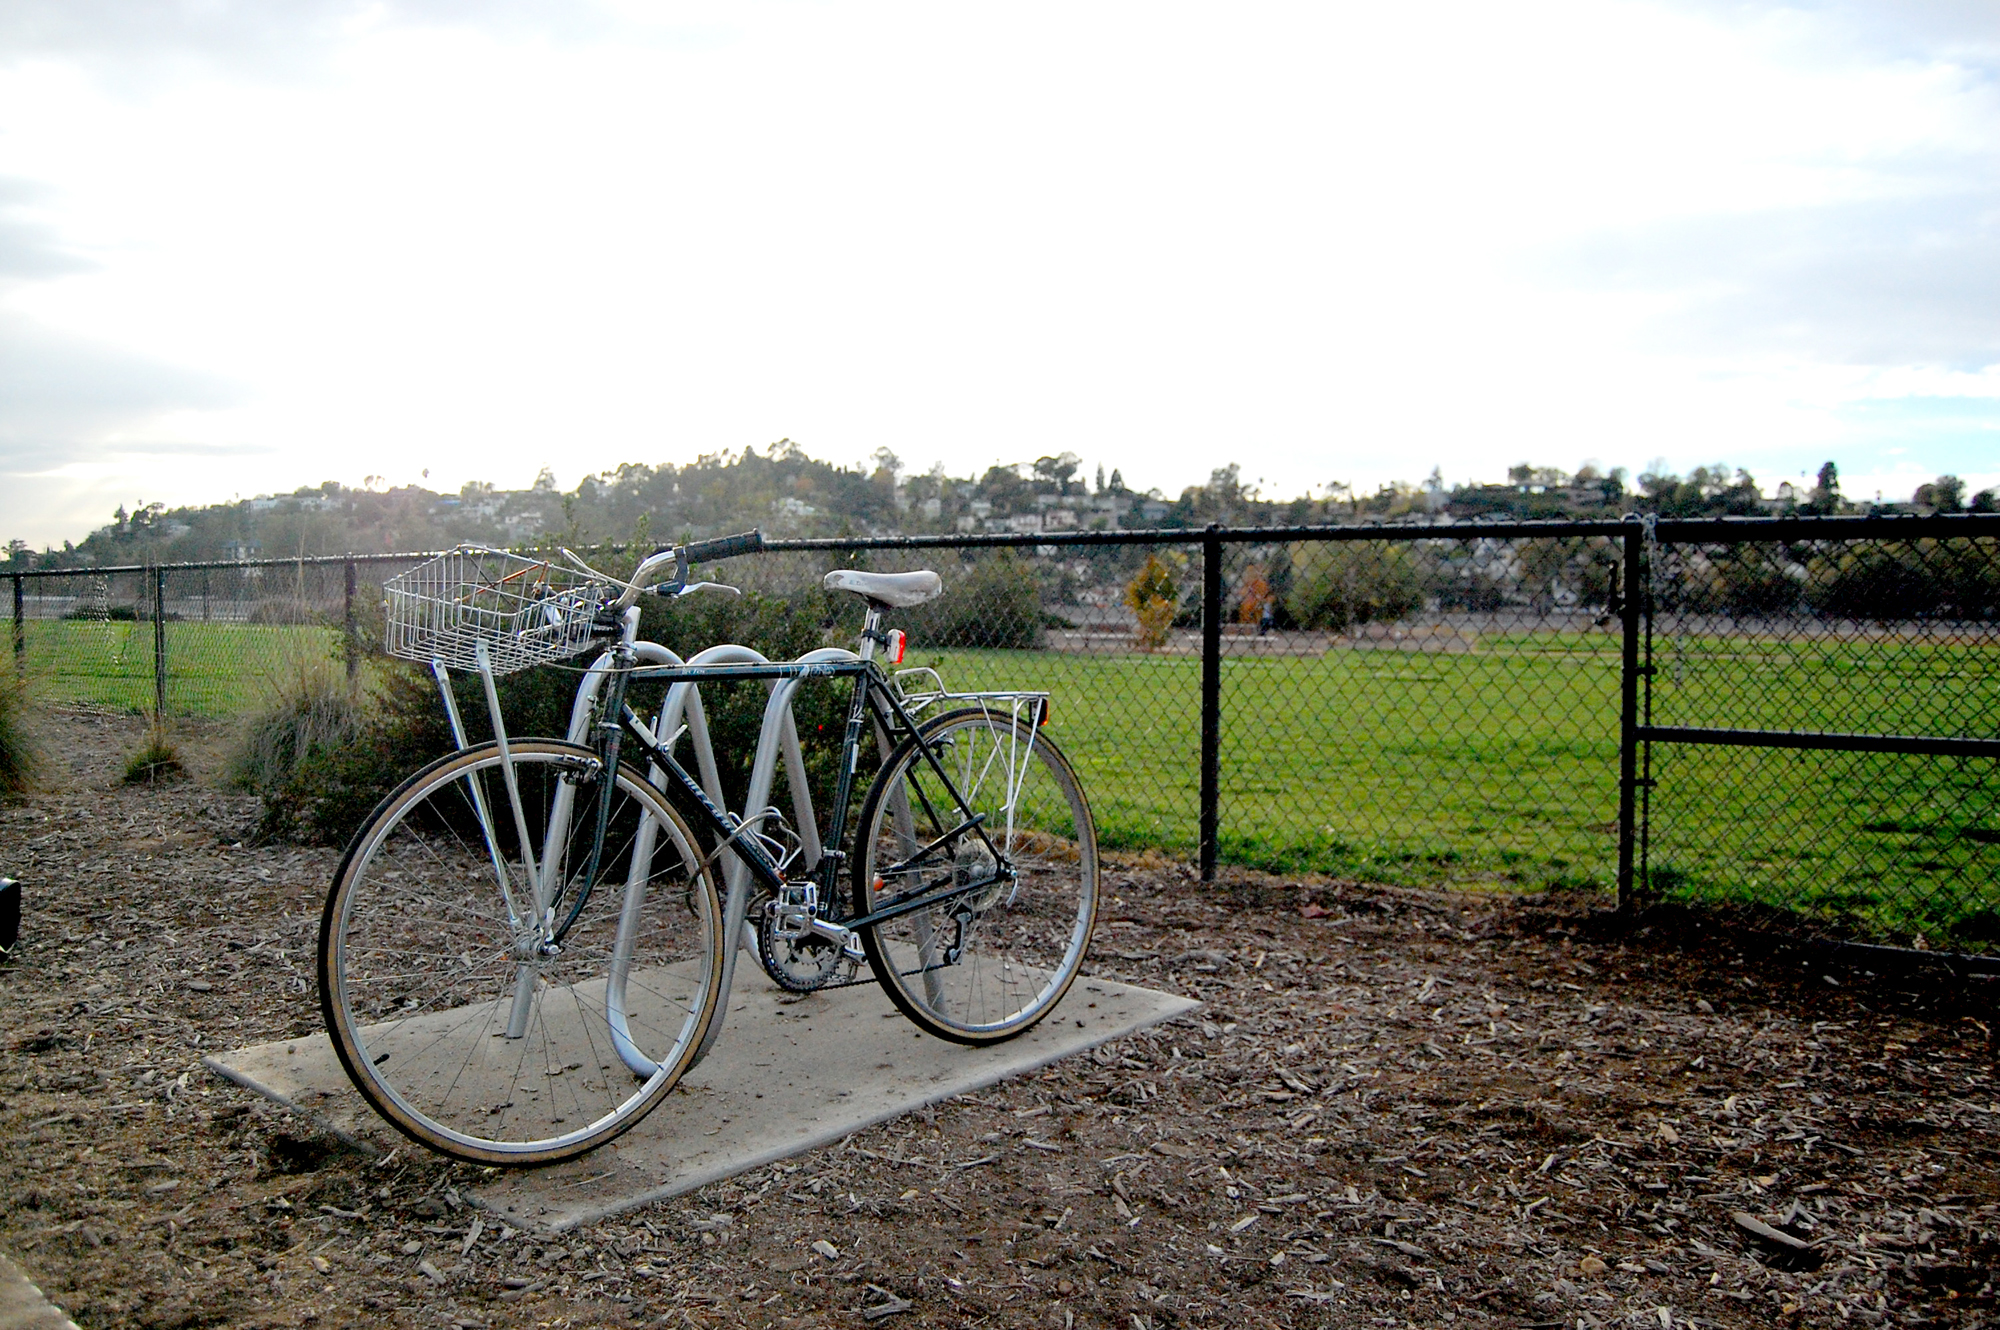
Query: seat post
[(870, 626)]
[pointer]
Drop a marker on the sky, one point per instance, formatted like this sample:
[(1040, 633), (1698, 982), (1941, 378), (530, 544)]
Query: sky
[(246, 246)]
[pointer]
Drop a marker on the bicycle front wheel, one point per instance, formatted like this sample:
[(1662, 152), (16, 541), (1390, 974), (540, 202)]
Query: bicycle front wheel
[(473, 1003), (983, 813)]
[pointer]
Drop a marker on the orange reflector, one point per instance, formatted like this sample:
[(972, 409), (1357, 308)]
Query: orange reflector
[(896, 644), (1043, 718)]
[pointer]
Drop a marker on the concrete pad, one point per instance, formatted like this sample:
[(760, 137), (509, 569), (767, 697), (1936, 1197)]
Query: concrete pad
[(22, 1306), (788, 1074)]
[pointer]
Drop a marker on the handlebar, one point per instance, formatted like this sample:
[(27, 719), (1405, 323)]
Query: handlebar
[(680, 556), (724, 547)]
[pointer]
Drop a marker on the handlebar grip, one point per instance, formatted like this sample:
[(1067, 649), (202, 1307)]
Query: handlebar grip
[(723, 547)]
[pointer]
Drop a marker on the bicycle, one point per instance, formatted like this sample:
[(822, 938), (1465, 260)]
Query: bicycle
[(485, 1010)]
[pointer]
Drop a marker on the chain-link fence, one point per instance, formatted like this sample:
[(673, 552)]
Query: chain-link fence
[(1417, 706), (195, 639), (1822, 726), (1797, 720)]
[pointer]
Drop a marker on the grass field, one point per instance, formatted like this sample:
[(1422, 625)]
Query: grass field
[(1488, 767), (1498, 766), (213, 669)]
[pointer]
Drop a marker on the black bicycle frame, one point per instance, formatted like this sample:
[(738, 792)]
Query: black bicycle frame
[(870, 690)]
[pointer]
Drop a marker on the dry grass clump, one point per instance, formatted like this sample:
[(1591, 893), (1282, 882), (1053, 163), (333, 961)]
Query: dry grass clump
[(312, 709), (17, 748), (157, 761)]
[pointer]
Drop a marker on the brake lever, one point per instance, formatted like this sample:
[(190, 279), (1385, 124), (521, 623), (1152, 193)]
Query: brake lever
[(693, 587), (673, 590)]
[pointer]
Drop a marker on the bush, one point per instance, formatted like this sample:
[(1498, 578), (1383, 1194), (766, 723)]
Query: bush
[(1747, 579), (995, 602), (1338, 584), (330, 789), (1153, 597), (1890, 580), (17, 750)]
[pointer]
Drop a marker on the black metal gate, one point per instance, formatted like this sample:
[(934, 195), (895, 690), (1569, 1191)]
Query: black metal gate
[(1818, 719)]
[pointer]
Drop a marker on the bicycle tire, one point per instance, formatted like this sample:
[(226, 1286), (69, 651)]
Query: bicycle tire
[(988, 965), (420, 966)]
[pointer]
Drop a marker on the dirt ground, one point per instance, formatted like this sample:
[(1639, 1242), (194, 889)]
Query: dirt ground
[(1397, 1109)]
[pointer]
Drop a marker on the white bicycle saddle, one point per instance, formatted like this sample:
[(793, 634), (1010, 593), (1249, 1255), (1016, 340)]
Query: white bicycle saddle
[(896, 590)]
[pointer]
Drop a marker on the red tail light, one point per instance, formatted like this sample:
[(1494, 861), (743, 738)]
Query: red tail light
[(897, 643), (1043, 718)]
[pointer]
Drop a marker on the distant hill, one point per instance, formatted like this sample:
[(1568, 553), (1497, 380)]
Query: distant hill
[(789, 493)]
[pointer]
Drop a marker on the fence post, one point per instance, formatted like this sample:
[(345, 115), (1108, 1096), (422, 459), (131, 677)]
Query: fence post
[(1628, 715), (1211, 697), (20, 625), (348, 628), (159, 645)]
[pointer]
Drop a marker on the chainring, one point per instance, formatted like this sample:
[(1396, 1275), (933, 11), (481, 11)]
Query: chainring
[(798, 965)]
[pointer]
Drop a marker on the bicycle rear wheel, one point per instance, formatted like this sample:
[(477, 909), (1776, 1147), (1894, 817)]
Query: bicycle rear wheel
[(987, 963), (458, 1015)]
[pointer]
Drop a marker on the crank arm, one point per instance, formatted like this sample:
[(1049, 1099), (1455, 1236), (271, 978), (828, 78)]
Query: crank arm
[(848, 940)]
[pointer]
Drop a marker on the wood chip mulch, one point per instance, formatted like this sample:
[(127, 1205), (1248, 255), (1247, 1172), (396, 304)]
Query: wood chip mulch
[(1397, 1108)]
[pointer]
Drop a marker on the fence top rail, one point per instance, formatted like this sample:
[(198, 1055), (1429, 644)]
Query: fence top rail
[(214, 565), (1902, 526), (1670, 530)]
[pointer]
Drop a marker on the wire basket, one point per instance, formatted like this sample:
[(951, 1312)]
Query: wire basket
[(526, 611)]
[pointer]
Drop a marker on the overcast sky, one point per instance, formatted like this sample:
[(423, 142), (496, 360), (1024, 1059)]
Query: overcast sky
[(248, 246)]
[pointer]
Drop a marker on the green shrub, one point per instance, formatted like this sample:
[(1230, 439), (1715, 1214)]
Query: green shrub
[(330, 789), (1152, 596), (17, 750), (993, 601), (1337, 584), (1891, 580), (1745, 579)]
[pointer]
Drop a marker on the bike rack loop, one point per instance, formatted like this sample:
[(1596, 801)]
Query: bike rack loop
[(777, 738)]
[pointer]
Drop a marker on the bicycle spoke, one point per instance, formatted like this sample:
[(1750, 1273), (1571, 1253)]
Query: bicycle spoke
[(421, 968)]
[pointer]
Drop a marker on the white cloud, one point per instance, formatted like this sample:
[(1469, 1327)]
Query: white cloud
[(1329, 243)]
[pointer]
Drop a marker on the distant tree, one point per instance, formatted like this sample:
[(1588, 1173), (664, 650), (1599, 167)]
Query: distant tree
[(1058, 470), (1338, 584), (1708, 491), (1153, 597), (1253, 593), (1946, 494), (1825, 497), (1613, 486)]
